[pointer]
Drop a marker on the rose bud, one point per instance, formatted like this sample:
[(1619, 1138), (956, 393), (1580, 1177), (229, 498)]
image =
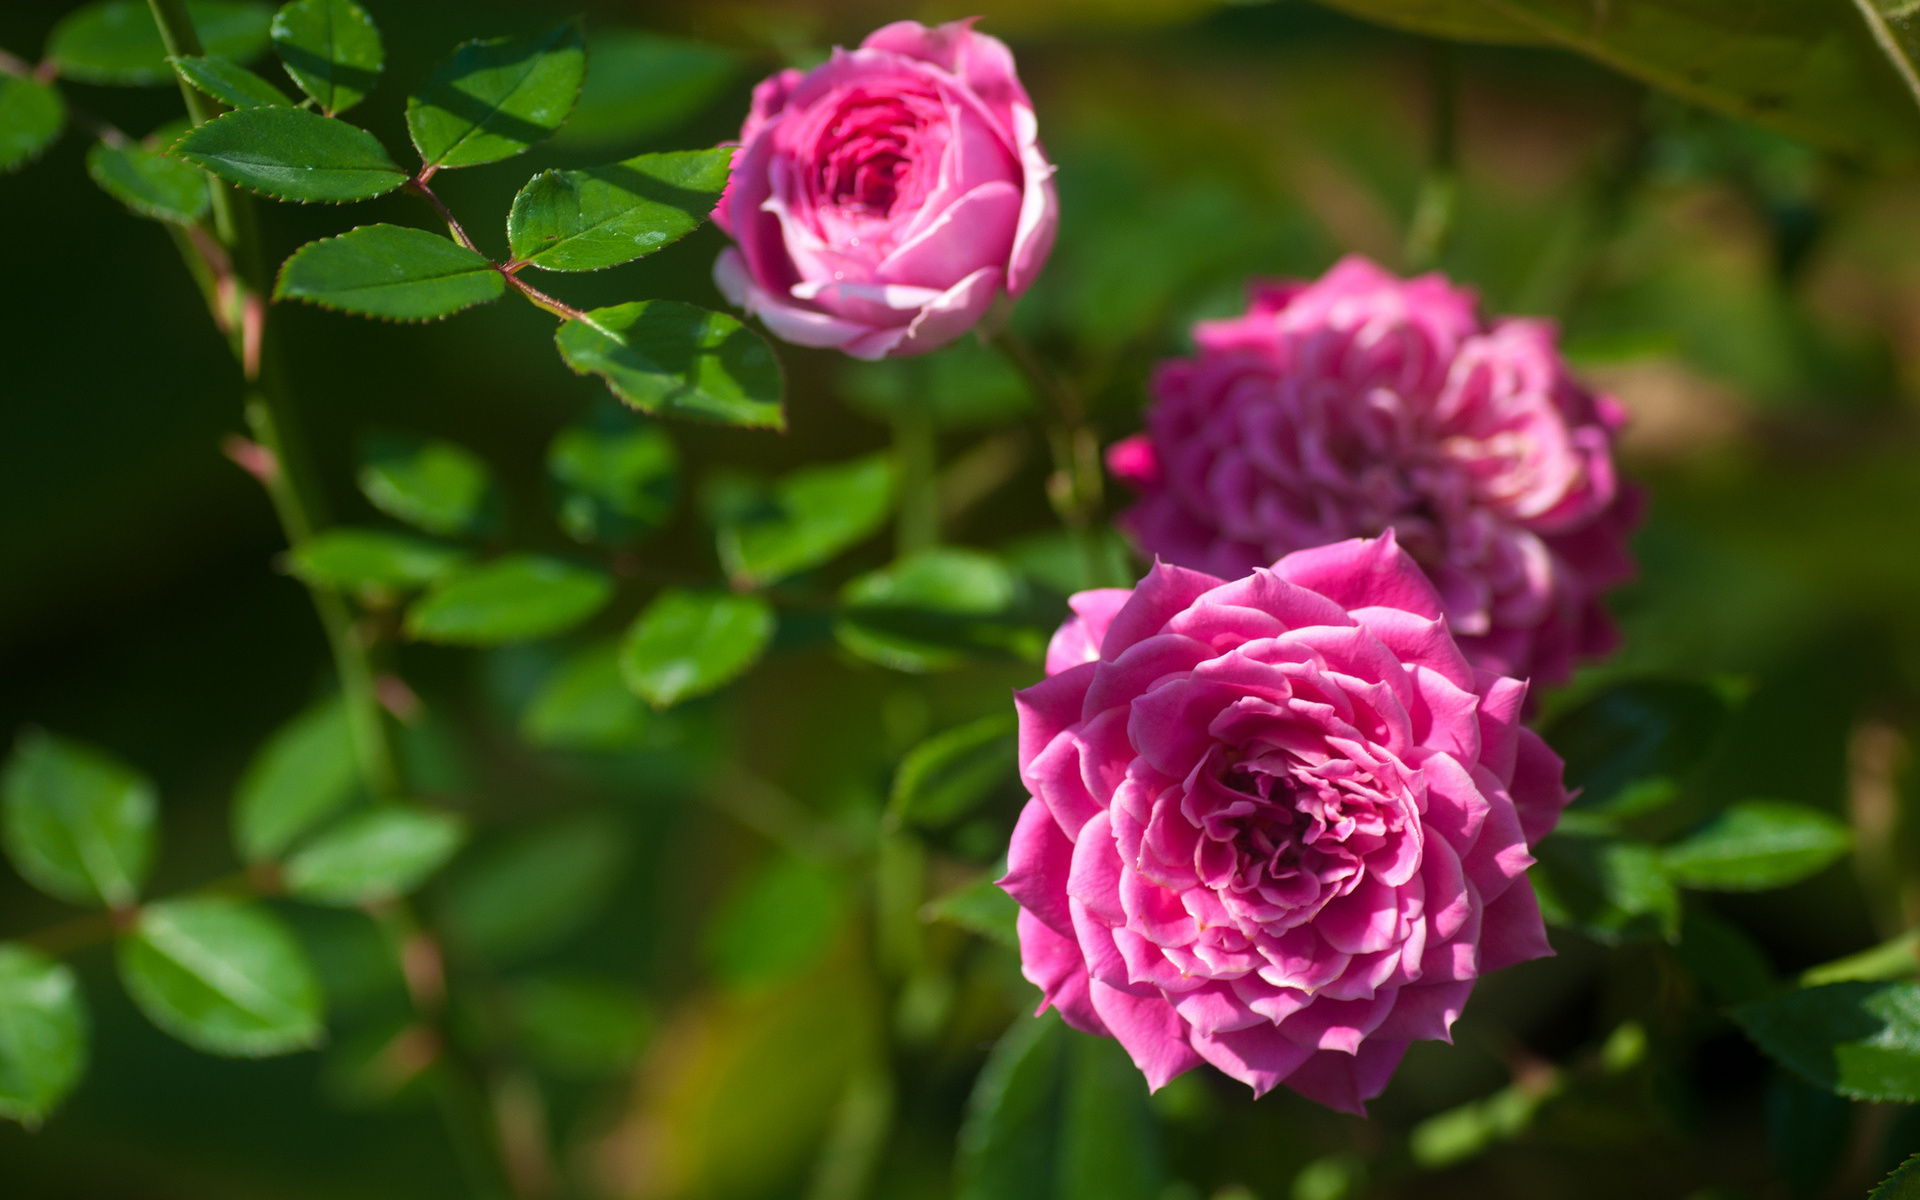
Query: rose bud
[(883, 201)]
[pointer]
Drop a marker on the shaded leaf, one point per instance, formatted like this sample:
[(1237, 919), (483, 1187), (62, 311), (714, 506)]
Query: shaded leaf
[(1755, 845), (686, 644), (1730, 965), (437, 486), (1461, 1133), (224, 976), (579, 1026), (1858, 1039), (946, 776), (644, 83), (586, 705), (376, 856), (967, 386), (806, 519), (118, 43), (1629, 745), (935, 609), (981, 907), (605, 216), (1608, 888), (1068, 562), (304, 774), (615, 484), (518, 598), (522, 895), (332, 50), (79, 824), (390, 271), (292, 154), (665, 357), (43, 1033), (151, 183), (373, 560), (494, 99), (228, 82), (31, 117), (778, 922), (1903, 1184)]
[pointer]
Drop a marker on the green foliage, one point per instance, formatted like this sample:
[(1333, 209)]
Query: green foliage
[(585, 704), (433, 485), (373, 562), (778, 922), (604, 216), (519, 598), (31, 117), (577, 1026), (331, 49), (1858, 1039), (1628, 746), (377, 856), (1903, 1184), (947, 776), (616, 481), (150, 182), (494, 99), (116, 42), (1756, 845), (223, 976), (1057, 1115), (805, 520), (933, 610), (303, 775), (686, 644), (78, 823), (228, 82), (967, 386), (1611, 889), (644, 83), (981, 907), (292, 154), (43, 1033), (664, 357), (520, 896), (390, 271)]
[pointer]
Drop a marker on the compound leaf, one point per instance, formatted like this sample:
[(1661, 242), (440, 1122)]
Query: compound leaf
[(1858, 1039), (809, 517), (43, 1033), (1755, 845), (390, 271), (515, 599), (687, 644), (151, 183), (494, 99), (437, 486), (373, 561), (293, 154), (304, 774), (662, 356), (79, 824), (605, 216), (332, 50), (118, 43), (31, 116), (375, 856), (228, 82)]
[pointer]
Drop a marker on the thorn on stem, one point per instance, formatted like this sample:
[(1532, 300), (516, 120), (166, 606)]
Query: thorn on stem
[(397, 698), (253, 458)]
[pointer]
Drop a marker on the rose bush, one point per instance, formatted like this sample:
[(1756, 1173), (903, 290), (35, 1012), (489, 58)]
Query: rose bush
[(1278, 824), (1363, 402), (881, 202)]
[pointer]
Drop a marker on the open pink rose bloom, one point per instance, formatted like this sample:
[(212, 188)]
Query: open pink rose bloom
[(883, 201), (1363, 402), (1279, 824)]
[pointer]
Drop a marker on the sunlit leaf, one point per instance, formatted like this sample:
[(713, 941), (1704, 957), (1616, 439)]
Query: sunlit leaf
[(981, 907), (31, 116), (1858, 1039), (669, 358), (331, 48), (579, 1026), (390, 271), (778, 922), (1755, 845), (118, 43), (228, 82), (1903, 1184), (304, 774), (946, 776), (43, 1033), (150, 182), (605, 216), (616, 483), (686, 644), (1611, 889), (643, 83), (292, 154), (515, 599), (515, 897), (494, 99), (78, 823), (585, 704), (373, 560), (223, 976), (376, 856), (437, 486), (807, 518), (933, 610)]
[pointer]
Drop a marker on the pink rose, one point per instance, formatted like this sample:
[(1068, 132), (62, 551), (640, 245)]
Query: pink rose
[(1363, 402), (882, 201), (1279, 824)]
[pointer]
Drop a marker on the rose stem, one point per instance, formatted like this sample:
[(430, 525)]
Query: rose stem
[(1077, 486)]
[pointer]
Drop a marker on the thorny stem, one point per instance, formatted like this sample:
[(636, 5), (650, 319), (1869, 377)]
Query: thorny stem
[(508, 271), (1077, 486)]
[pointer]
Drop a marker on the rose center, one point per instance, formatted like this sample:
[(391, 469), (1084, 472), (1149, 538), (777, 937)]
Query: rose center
[(868, 155)]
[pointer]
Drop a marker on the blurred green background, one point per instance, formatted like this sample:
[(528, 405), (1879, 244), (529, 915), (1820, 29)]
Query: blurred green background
[(1754, 301)]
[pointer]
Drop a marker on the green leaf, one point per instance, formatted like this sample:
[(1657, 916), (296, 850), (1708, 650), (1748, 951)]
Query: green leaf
[(151, 183), (79, 824), (966, 386), (948, 775), (292, 154), (43, 1034), (1629, 746), (615, 484), (686, 644), (373, 561), (1755, 845), (779, 921), (1459, 1134), (644, 83), (523, 895), (1805, 68), (224, 976), (437, 486), (1858, 1039), (586, 705), (390, 271), (1068, 562), (936, 609), (229, 82), (1903, 1184), (605, 216), (332, 50), (662, 356), (494, 99), (118, 43), (981, 907), (808, 517), (375, 856), (519, 598), (31, 116), (1058, 1115), (1727, 963), (578, 1026), (1610, 889), (304, 774)]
